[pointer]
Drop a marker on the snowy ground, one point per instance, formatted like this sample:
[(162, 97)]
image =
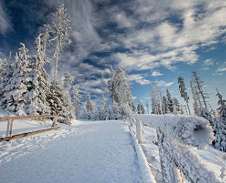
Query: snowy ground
[(95, 151)]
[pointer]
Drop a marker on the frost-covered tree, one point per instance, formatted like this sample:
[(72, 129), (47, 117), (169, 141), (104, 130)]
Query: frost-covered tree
[(68, 79), (220, 128), (177, 105), (114, 112), (103, 106), (120, 92), (76, 100), (183, 92), (199, 84), (195, 99), (59, 103), (113, 87), (59, 32), (13, 85), (90, 107), (165, 105), (140, 108), (170, 101), (147, 108), (154, 102)]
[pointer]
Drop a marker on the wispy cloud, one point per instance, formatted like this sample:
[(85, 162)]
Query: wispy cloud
[(5, 23), (156, 73)]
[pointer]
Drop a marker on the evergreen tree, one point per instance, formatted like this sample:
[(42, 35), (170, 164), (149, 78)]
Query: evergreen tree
[(220, 137), (147, 108), (165, 104), (177, 105), (170, 101), (102, 112), (90, 107), (13, 86), (195, 99), (154, 103), (183, 92), (140, 108), (76, 100), (59, 103), (199, 85)]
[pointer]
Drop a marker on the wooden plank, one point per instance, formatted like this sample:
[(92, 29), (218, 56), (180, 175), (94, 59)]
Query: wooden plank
[(11, 128), (54, 122), (27, 134), (27, 117)]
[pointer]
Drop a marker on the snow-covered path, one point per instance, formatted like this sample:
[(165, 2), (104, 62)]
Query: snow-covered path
[(99, 151)]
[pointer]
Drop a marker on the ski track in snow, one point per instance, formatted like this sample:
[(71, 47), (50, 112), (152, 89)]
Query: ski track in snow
[(95, 151)]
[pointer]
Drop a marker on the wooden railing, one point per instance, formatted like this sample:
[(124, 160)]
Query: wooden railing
[(10, 121), (176, 134)]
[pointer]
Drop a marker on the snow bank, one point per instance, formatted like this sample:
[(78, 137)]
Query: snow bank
[(188, 130), (144, 167)]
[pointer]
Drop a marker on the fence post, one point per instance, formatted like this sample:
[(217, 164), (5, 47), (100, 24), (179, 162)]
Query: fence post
[(8, 128), (139, 131), (54, 122), (11, 128)]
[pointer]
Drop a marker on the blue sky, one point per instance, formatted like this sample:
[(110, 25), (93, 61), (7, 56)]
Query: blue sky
[(152, 40)]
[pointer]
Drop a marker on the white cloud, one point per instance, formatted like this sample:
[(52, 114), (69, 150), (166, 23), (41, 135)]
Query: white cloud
[(5, 23), (164, 84), (156, 73), (139, 78)]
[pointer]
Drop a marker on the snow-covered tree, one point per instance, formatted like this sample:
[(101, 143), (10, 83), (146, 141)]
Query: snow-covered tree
[(113, 87), (13, 86), (58, 103), (177, 105), (76, 100), (90, 107), (147, 108), (103, 106), (154, 103), (114, 112), (165, 105), (120, 92), (183, 92), (220, 137), (195, 99), (140, 108), (170, 101), (68, 79), (59, 32), (199, 84)]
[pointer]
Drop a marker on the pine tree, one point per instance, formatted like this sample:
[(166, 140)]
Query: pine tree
[(183, 92), (147, 108), (76, 100), (13, 85), (220, 137), (165, 104), (90, 107), (58, 102), (199, 85), (140, 108), (102, 112), (68, 79), (170, 101), (113, 87), (154, 103), (177, 105), (59, 31), (195, 99)]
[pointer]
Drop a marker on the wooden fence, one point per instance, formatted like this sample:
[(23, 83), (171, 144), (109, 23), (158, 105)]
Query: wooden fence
[(175, 137), (10, 121)]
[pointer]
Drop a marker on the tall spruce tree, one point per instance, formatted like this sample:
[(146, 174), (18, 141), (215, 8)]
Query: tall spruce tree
[(170, 101), (140, 108), (76, 100), (220, 128), (183, 92)]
